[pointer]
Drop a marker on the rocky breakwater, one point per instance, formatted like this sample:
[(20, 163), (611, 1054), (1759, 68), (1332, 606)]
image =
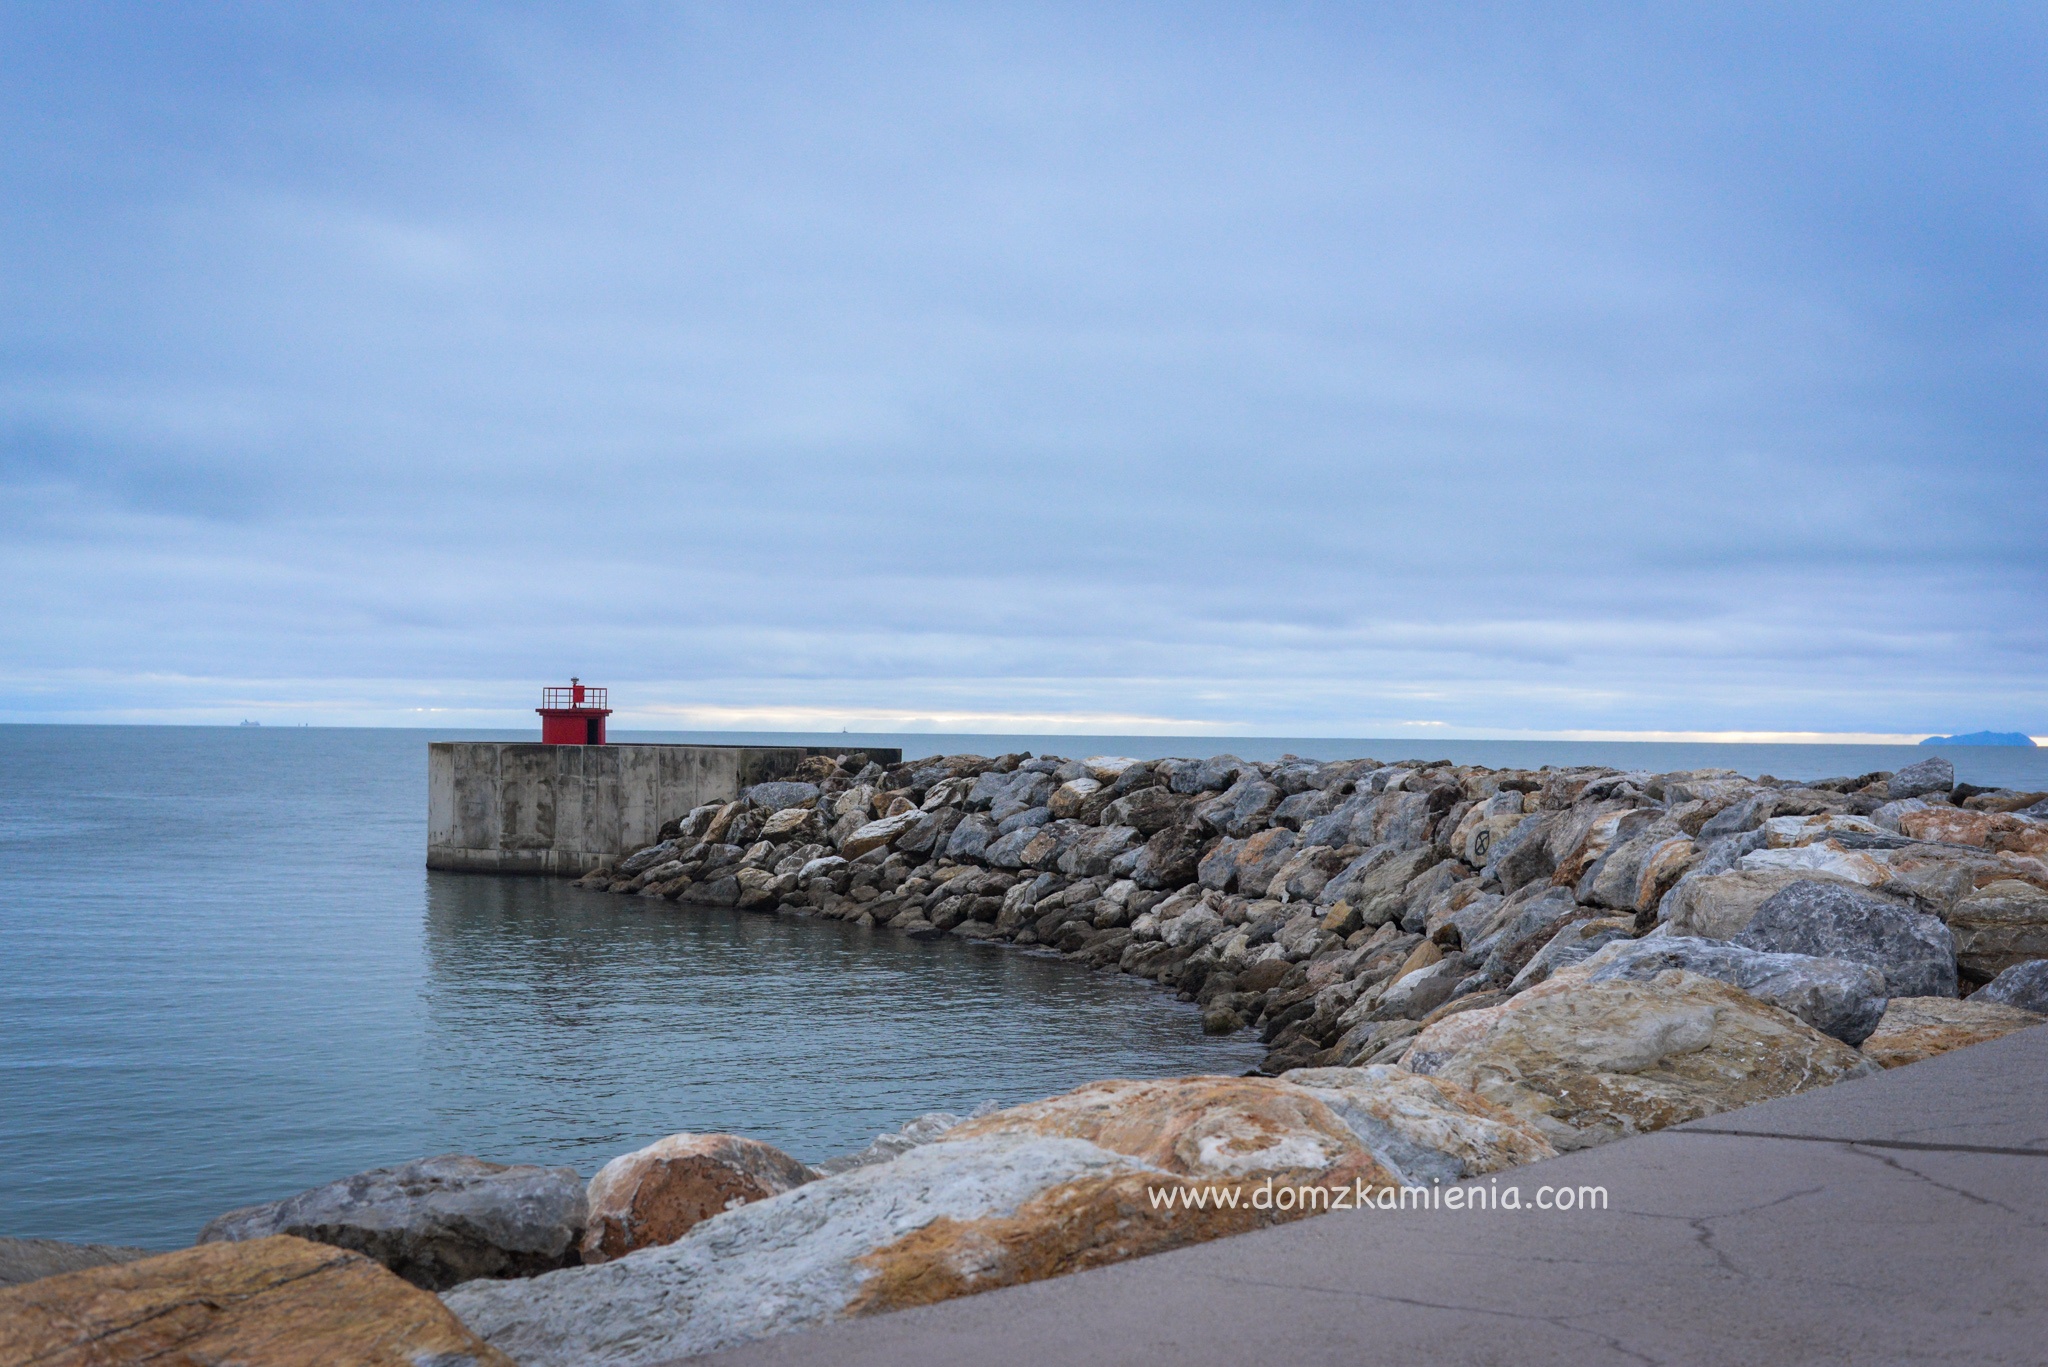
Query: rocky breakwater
[(1342, 908)]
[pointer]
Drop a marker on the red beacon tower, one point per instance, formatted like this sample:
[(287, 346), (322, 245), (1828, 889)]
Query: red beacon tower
[(573, 715)]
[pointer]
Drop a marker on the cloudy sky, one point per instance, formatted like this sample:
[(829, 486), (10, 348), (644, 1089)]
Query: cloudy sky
[(1356, 370)]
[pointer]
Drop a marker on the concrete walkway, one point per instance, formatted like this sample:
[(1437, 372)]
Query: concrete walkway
[(1902, 1218)]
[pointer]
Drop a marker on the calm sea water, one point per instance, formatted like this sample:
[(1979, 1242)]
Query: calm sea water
[(225, 976)]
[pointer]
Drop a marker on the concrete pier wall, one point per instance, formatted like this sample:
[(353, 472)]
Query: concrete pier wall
[(516, 807)]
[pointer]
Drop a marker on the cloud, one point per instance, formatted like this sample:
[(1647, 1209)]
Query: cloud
[(1308, 370)]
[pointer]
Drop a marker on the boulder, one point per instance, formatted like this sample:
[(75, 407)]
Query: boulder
[(1423, 1129), (879, 833), (792, 821), (1986, 830), (970, 838), (1915, 951), (1999, 926), (1013, 1197), (1080, 798), (2023, 985), (1719, 905), (273, 1302), (1092, 853), (433, 1221), (1921, 1027), (1261, 857), (658, 1194), (1523, 855), (1587, 1062), (782, 794), (1024, 791), (1107, 769), (1149, 810), (1376, 882), (1169, 859), (1574, 942), (1197, 925), (1533, 926), (1931, 775), (1828, 859), (1419, 991), (1835, 996)]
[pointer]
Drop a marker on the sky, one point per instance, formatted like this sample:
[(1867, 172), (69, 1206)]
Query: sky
[(1347, 370)]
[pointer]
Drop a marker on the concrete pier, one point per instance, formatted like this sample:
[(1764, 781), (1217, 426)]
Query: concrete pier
[(514, 807)]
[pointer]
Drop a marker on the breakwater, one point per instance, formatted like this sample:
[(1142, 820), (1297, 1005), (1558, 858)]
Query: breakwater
[(1334, 906)]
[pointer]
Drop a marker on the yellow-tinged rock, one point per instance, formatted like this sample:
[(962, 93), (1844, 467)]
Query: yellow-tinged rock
[(1989, 830), (1592, 1061), (1428, 1128), (1914, 1028), (658, 1194), (1210, 1143), (1999, 925), (1204, 1127), (276, 1302), (1421, 957)]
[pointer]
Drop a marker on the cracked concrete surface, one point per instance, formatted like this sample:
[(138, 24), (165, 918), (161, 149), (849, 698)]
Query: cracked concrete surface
[(1901, 1218)]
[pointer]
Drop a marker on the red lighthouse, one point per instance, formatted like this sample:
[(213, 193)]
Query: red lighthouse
[(573, 715)]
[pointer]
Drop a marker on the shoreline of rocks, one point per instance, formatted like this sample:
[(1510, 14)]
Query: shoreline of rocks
[(1339, 908), (1456, 971)]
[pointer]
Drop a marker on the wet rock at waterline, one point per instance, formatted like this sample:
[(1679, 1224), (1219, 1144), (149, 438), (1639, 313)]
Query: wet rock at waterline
[(433, 1221), (657, 1194), (277, 1301)]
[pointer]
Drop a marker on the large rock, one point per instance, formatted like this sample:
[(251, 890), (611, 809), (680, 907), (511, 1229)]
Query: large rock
[(1423, 1129), (433, 1221), (1587, 1062), (1931, 775), (970, 839), (24, 1260), (1260, 857), (1986, 830), (1096, 849), (1170, 858), (1719, 905), (1538, 919), (276, 1302), (658, 1194), (1915, 951), (1149, 810), (1835, 996), (2023, 985), (1828, 859), (879, 833), (781, 794), (1998, 926), (1915, 1028), (1574, 943), (1014, 1197)]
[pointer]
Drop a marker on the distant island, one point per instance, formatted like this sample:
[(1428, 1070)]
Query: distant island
[(1983, 738)]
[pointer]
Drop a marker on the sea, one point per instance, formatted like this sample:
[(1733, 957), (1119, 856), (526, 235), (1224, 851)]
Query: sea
[(226, 975)]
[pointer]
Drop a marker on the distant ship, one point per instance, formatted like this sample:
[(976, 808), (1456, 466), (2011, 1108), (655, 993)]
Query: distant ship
[(252, 723)]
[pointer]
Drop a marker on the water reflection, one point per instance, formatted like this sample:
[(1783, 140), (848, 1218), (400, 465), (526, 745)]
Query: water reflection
[(572, 1025)]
